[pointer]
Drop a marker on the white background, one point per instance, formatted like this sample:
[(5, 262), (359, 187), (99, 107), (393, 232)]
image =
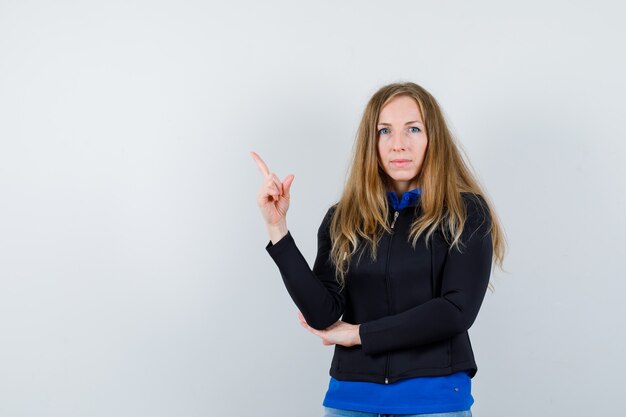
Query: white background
[(133, 275)]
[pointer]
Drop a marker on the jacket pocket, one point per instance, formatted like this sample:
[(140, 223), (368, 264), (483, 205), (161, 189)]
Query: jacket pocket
[(352, 360), (431, 356)]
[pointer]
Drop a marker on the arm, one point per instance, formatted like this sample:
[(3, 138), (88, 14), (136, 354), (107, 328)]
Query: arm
[(315, 292), (463, 286)]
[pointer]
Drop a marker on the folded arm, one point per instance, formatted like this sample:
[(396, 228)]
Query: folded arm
[(463, 286)]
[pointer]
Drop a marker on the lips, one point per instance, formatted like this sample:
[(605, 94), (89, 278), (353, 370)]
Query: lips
[(400, 162)]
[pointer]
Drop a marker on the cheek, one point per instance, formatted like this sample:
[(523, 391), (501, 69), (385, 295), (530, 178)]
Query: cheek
[(384, 147), (420, 151), (381, 151), (381, 160)]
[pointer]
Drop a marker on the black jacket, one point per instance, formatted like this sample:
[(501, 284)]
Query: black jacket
[(414, 305)]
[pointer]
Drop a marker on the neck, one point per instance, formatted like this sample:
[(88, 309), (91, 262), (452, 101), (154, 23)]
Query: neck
[(401, 187)]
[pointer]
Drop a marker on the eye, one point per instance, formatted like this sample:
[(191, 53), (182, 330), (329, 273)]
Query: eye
[(417, 129), (383, 131)]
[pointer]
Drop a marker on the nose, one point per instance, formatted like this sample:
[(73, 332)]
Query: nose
[(398, 142)]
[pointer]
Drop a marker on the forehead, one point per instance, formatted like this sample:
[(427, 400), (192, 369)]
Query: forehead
[(400, 108)]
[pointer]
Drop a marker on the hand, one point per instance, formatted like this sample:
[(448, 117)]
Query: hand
[(273, 200), (340, 333)]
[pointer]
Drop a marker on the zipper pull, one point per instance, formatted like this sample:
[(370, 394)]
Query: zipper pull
[(395, 216)]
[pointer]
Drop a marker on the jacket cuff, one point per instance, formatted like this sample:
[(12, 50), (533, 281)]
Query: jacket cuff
[(365, 339), (370, 341), (275, 249)]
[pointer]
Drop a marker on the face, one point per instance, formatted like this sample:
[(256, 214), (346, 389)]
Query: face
[(402, 142)]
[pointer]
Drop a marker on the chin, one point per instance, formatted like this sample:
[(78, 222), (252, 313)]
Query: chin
[(403, 177)]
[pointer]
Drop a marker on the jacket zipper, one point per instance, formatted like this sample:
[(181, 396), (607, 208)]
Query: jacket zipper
[(395, 217)]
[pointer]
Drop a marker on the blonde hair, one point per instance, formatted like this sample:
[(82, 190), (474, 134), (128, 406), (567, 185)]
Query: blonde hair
[(362, 212)]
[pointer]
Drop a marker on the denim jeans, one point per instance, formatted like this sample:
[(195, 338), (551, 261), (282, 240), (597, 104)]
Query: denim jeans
[(335, 412)]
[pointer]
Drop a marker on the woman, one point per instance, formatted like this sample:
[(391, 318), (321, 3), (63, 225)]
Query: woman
[(404, 259)]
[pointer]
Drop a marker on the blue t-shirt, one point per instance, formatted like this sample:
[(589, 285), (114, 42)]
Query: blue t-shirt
[(436, 394), (428, 394)]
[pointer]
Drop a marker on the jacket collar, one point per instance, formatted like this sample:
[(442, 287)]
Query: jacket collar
[(408, 199)]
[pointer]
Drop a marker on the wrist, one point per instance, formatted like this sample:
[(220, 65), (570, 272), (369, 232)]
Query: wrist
[(358, 335), (277, 231)]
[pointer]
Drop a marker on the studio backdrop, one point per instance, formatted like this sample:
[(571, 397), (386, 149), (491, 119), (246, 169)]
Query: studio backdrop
[(134, 279)]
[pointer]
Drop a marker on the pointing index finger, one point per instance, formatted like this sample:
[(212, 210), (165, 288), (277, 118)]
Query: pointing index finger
[(259, 162)]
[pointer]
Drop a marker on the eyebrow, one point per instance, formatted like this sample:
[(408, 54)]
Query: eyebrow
[(407, 123)]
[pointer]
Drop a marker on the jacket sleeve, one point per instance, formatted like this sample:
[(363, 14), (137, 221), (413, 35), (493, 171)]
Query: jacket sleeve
[(315, 292), (464, 282)]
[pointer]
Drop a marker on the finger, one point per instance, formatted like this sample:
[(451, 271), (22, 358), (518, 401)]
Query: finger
[(304, 324), (287, 184), (266, 195), (316, 332), (259, 162), (271, 187), (276, 180), (272, 190)]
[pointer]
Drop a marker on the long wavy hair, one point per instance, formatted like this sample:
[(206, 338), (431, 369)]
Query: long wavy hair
[(361, 214)]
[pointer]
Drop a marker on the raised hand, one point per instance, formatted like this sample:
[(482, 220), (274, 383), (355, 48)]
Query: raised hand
[(273, 200)]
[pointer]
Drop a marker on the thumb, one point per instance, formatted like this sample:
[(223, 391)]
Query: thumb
[(287, 184)]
